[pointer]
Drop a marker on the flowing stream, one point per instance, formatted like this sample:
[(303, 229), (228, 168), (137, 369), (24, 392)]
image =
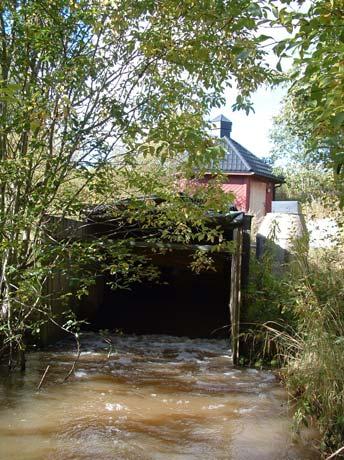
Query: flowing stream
[(145, 397)]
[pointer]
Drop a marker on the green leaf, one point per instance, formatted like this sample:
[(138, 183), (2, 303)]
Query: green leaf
[(338, 119)]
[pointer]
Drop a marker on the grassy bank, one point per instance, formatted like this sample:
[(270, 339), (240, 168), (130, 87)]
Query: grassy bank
[(314, 372), (301, 328)]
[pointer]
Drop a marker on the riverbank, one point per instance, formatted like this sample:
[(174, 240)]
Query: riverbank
[(300, 324)]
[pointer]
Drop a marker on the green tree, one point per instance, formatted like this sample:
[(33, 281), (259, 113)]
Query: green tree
[(85, 84), (317, 90), (307, 178), (289, 135)]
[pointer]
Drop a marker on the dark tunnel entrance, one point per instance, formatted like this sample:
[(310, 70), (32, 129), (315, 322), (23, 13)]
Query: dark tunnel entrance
[(182, 303)]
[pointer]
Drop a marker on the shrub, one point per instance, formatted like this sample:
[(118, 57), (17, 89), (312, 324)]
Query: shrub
[(300, 325)]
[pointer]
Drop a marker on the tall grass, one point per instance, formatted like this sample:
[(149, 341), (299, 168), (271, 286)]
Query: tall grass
[(314, 372), (301, 316)]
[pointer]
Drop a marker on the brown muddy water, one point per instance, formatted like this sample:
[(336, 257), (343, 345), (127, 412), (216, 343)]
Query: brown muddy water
[(154, 397)]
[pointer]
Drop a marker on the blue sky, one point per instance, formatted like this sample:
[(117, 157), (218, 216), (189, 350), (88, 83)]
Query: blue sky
[(252, 131)]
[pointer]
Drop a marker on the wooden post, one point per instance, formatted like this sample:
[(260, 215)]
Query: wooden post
[(235, 294)]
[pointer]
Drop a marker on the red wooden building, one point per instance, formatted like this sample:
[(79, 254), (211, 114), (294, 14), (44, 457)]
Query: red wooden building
[(248, 177)]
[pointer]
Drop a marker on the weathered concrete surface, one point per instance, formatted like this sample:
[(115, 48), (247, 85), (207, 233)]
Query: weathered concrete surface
[(283, 229), (281, 234)]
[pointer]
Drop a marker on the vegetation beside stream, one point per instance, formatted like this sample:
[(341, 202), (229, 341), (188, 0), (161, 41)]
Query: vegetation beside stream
[(295, 320), (301, 332), (314, 368)]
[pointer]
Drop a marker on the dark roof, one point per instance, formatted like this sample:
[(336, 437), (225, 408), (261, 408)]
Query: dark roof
[(221, 118), (240, 160), (237, 159)]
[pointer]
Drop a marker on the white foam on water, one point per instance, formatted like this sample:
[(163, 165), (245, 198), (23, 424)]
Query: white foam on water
[(80, 374), (115, 407), (213, 406), (245, 410)]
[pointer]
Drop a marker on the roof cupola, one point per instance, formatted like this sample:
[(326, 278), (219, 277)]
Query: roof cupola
[(222, 126)]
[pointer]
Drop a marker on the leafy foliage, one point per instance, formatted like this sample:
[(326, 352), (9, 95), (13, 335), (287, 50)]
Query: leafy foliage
[(86, 89), (308, 179), (316, 92)]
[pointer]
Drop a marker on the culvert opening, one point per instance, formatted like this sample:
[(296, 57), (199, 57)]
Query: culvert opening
[(182, 303)]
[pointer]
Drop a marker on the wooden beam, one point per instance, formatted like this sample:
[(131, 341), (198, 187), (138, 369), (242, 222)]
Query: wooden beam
[(235, 294)]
